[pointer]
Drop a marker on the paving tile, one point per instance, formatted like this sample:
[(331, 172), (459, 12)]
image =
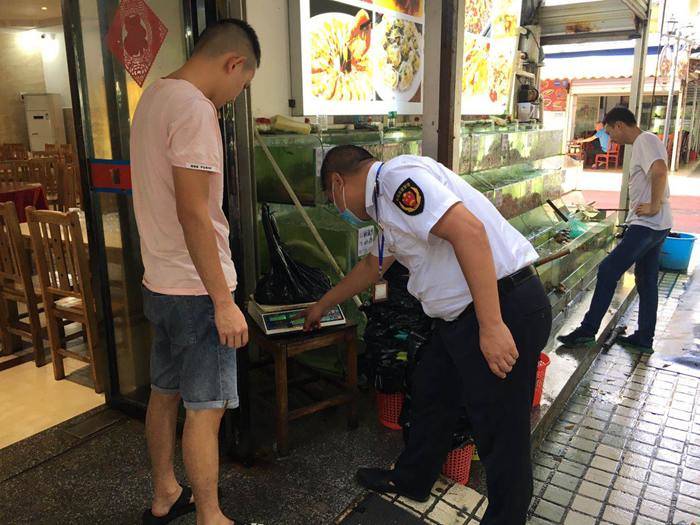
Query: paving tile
[(541, 473), (444, 513), (594, 423), (619, 430), (481, 509), (672, 444), (589, 433), (690, 489), (665, 468), (579, 456), (658, 495), (688, 504), (418, 506), (587, 505), (692, 462), (644, 520), (613, 441), (630, 486), (598, 476), (537, 487), (555, 449), (654, 510), (565, 481), (626, 412), (583, 444), (559, 437), (532, 521), (664, 482), (678, 423), (669, 456), (550, 511), (652, 418), (593, 490), (652, 428), (602, 463), (636, 473), (577, 408), (623, 500), (636, 460), (463, 498), (678, 435), (600, 413), (571, 417), (558, 495), (680, 516), (640, 448), (617, 516), (691, 475), (622, 421), (545, 460), (694, 450), (571, 467), (609, 452), (644, 437), (575, 518)]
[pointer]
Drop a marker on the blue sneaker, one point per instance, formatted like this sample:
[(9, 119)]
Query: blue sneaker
[(578, 337)]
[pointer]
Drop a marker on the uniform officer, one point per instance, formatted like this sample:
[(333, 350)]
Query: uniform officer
[(473, 273)]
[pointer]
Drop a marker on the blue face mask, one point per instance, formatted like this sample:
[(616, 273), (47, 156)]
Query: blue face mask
[(347, 215)]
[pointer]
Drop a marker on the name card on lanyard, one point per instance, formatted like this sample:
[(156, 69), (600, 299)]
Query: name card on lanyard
[(380, 289)]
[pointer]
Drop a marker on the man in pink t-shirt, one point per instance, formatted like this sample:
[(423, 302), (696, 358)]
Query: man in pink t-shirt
[(189, 277)]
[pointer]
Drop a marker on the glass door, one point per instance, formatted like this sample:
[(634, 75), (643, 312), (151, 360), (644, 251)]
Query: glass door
[(105, 96)]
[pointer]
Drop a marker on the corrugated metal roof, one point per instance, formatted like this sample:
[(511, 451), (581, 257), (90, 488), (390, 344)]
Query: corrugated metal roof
[(595, 64), (592, 20)]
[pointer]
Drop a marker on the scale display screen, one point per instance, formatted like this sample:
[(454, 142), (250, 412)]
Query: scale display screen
[(288, 321)]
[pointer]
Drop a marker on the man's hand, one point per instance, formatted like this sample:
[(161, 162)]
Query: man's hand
[(647, 209), (498, 348), (312, 316), (231, 325)]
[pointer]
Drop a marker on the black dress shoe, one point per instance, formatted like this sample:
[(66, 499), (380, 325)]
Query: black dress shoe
[(380, 480)]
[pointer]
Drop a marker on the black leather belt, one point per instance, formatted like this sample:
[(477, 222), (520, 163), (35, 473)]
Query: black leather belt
[(506, 285)]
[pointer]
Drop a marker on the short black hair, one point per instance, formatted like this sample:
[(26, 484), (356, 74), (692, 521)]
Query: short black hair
[(345, 159), (229, 34), (620, 114)]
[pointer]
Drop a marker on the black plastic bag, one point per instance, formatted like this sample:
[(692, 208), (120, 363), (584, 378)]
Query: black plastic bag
[(288, 281)]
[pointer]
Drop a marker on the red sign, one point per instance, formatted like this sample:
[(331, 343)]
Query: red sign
[(110, 175), (554, 93), (135, 37)]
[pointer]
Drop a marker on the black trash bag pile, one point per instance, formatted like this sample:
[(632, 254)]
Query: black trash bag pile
[(288, 281), (396, 331)]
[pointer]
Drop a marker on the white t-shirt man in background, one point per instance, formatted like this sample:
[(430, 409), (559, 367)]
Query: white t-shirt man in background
[(649, 222)]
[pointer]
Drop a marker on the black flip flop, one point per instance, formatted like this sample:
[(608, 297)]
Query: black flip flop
[(182, 506)]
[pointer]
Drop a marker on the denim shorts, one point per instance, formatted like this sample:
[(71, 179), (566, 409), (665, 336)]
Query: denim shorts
[(186, 356)]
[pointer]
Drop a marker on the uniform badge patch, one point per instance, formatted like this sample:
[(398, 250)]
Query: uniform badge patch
[(409, 198)]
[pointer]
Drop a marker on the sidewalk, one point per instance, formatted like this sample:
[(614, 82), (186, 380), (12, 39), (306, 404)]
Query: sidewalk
[(625, 450)]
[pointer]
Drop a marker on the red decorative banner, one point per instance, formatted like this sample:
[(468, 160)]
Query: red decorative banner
[(554, 93), (135, 37), (109, 175)]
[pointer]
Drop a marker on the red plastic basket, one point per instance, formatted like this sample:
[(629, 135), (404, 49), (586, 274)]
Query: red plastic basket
[(459, 463), (389, 409), (539, 383)]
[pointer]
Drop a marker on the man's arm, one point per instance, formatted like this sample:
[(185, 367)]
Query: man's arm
[(659, 177), (589, 139), (192, 198), (471, 245), (365, 273)]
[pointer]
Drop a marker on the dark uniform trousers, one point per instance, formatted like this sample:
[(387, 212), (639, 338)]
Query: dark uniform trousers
[(453, 374)]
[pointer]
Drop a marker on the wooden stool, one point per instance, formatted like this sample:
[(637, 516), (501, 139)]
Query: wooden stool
[(283, 347)]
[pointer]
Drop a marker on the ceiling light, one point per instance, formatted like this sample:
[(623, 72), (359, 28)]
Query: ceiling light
[(44, 8)]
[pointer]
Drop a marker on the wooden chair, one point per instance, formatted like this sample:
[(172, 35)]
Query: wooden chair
[(23, 171), (613, 155), (68, 187), (16, 287), (51, 148), (62, 262), (7, 171), (17, 152)]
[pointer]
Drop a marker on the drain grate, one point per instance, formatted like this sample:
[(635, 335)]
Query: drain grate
[(94, 424)]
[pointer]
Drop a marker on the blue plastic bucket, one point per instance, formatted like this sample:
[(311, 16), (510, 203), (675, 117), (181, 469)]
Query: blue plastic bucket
[(676, 251)]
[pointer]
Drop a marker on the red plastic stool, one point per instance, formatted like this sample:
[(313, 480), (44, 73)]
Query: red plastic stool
[(389, 409), (459, 463), (539, 384)]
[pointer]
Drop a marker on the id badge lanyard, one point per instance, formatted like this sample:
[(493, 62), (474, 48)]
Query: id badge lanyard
[(380, 290)]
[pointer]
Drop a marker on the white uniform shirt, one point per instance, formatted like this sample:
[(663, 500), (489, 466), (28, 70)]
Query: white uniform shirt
[(414, 194), (646, 149)]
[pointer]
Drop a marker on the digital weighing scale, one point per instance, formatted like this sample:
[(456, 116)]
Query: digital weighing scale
[(275, 320)]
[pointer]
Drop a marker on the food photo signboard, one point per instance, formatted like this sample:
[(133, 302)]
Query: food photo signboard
[(491, 31), (353, 57)]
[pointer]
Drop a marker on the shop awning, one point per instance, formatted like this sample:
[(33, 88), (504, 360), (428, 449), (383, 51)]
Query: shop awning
[(567, 21), (588, 64)]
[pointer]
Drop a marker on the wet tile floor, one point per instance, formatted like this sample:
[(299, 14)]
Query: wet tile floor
[(626, 450)]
